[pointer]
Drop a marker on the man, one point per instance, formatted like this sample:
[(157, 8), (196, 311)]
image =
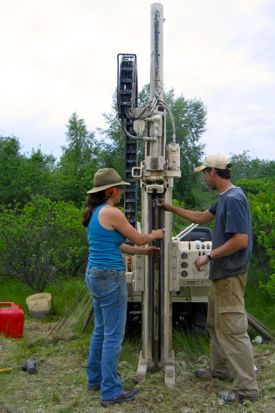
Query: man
[(231, 353)]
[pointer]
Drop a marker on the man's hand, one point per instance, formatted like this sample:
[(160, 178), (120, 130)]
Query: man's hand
[(165, 205), (200, 261)]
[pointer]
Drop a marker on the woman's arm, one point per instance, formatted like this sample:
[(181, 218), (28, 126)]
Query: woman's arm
[(119, 222), (134, 250)]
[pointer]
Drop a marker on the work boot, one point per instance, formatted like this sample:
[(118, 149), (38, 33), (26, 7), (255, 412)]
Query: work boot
[(126, 396), (206, 374), (230, 397)]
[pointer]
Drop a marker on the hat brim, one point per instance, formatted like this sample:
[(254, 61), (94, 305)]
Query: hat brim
[(200, 168), (103, 187)]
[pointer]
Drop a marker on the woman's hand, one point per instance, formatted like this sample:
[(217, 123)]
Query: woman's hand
[(135, 250), (158, 233), (152, 250)]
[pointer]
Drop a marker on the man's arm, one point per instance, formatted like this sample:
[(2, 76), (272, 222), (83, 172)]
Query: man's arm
[(197, 217), (236, 243)]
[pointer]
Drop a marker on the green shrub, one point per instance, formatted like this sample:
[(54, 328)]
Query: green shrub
[(269, 287), (41, 242), (261, 195)]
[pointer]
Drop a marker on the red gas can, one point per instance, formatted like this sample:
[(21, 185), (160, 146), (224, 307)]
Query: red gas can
[(11, 320)]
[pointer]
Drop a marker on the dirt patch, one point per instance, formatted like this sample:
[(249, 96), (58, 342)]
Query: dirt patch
[(60, 385)]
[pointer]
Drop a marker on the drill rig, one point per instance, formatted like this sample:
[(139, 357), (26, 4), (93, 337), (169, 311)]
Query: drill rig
[(156, 282)]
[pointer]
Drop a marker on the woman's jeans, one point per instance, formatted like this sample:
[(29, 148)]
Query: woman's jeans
[(109, 292)]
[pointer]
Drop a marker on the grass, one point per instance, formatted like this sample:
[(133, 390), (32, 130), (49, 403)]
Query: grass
[(183, 340), (60, 385), (14, 291), (258, 303), (63, 293)]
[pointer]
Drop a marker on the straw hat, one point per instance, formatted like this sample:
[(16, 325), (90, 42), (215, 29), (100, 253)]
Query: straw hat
[(106, 178)]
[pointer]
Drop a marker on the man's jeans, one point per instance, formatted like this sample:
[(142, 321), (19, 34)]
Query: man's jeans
[(109, 291)]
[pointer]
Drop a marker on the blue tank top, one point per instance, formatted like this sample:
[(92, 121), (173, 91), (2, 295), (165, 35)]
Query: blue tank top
[(104, 244)]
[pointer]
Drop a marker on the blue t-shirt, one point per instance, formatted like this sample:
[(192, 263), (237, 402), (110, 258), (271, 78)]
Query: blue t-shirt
[(232, 216), (104, 244)]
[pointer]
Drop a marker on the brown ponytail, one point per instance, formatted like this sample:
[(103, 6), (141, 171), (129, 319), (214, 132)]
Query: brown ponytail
[(93, 201)]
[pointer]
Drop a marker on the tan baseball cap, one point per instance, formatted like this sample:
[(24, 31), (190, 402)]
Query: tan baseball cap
[(214, 161)]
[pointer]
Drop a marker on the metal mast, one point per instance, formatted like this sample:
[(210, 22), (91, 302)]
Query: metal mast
[(153, 278), (157, 182)]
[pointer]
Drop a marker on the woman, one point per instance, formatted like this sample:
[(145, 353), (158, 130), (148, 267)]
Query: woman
[(107, 230)]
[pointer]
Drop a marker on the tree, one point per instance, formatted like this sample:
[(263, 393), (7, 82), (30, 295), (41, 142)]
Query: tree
[(190, 120), (38, 173), (112, 144), (20, 176), (11, 163), (244, 167), (78, 162)]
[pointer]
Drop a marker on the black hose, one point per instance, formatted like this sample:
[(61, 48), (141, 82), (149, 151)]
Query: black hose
[(259, 327)]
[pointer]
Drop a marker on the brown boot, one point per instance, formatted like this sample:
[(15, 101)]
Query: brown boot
[(230, 397), (206, 374)]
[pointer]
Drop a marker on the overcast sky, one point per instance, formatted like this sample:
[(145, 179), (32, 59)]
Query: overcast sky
[(59, 57)]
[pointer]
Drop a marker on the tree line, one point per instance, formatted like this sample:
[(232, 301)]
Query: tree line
[(42, 198)]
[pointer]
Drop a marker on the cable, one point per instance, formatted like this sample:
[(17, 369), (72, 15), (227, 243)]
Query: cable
[(137, 138), (172, 119), (145, 113)]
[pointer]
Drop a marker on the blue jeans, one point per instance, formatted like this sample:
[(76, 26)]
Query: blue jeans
[(109, 292)]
